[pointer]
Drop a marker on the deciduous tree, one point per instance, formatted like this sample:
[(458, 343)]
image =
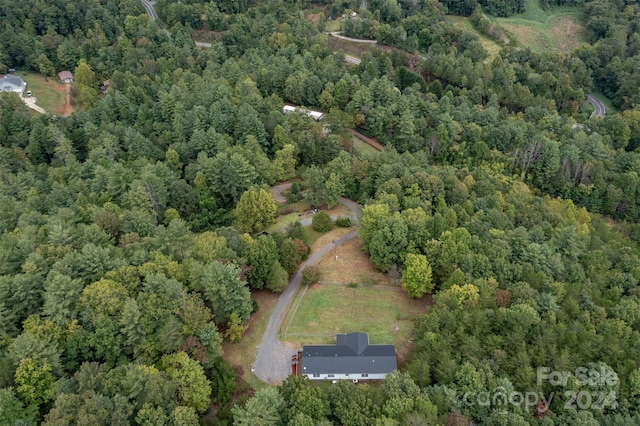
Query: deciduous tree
[(416, 275), (256, 210)]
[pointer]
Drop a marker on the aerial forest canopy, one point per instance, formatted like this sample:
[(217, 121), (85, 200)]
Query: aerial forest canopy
[(129, 230)]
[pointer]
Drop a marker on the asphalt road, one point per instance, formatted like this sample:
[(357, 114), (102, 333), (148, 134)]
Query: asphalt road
[(337, 34), (273, 360), (599, 109), (149, 8)]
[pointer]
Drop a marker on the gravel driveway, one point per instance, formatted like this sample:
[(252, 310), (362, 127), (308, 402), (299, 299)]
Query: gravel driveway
[(273, 360)]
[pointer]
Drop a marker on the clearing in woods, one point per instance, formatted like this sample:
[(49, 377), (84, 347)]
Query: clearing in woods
[(53, 96), (557, 30), (338, 305)]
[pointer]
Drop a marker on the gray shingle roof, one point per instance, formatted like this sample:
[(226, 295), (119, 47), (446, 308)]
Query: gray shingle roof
[(352, 354), (13, 80)]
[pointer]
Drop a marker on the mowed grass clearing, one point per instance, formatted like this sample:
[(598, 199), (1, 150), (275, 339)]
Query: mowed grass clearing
[(383, 312), (51, 94), (352, 296), (557, 30)]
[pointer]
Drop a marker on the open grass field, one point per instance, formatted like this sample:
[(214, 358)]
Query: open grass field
[(51, 94), (383, 312), (350, 47), (557, 30), (352, 266), (352, 296), (464, 23), (282, 222), (243, 354)]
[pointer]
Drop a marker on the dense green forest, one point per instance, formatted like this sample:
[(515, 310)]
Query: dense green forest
[(128, 251)]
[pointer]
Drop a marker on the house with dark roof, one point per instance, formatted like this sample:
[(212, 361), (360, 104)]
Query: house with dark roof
[(12, 83), (66, 77), (351, 358)]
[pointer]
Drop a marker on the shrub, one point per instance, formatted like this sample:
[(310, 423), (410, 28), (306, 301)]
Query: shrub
[(343, 222), (278, 278), (322, 222), (310, 275), (297, 232)]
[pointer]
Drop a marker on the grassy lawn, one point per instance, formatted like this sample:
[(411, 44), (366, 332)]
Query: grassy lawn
[(351, 266), (464, 23), (333, 25), (352, 296), (283, 222), (350, 47), (328, 309), (557, 30), (50, 94)]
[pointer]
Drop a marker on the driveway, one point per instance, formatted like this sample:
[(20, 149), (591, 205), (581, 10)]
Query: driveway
[(355, 211), (273, 360)]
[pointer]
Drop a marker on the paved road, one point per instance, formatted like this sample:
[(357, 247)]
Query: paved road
[(599, 109), (337, 34), (352, 59), (273, 360), (149, 8)]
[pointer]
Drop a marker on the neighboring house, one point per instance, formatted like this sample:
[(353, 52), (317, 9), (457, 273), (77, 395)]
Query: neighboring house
[(316, 115), (351, 358), (66, 77), (12, 83)]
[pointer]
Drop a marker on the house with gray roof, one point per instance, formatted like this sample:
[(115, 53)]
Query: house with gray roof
[(12, 83), (351, 358)]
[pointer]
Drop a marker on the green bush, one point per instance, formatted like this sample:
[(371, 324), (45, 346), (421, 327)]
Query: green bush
[(310, 275), (322, 222), (343, 222), (278, 278)]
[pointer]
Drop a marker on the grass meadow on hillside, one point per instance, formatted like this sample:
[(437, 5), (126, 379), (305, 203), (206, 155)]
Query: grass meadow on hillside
[(557, 30), (50, 92)]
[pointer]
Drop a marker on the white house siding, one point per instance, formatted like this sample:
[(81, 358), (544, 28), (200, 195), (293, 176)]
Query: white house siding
[(358, 377)]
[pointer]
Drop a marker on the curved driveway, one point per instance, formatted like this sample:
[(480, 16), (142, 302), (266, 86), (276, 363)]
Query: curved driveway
[(273, 360), (599, 109)]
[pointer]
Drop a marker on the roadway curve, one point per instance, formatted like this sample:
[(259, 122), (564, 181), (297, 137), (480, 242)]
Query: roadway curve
[(273, 360), (148, 6), (599, 109)]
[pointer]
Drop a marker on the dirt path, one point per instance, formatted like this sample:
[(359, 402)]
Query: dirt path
[(68, 109), (272, 363)]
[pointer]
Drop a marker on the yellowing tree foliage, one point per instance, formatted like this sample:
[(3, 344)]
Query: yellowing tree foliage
[(416, 275), (256, 210)]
